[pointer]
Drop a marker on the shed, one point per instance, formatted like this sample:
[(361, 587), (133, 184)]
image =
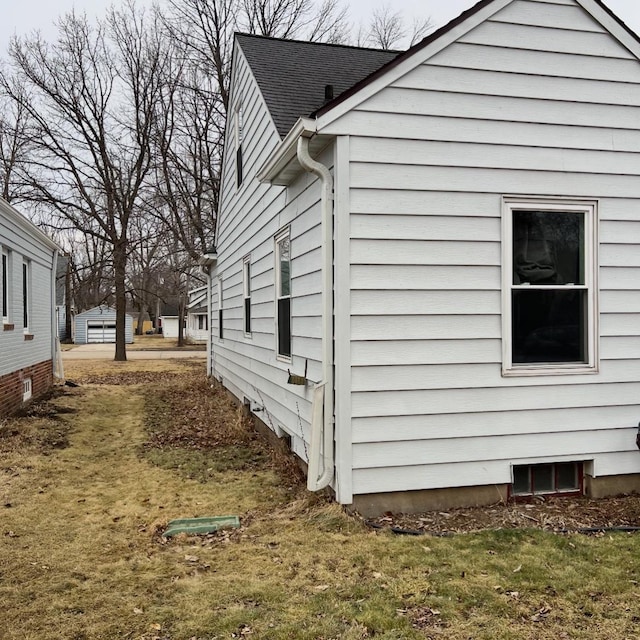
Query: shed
[(98, 325), (446, 253)]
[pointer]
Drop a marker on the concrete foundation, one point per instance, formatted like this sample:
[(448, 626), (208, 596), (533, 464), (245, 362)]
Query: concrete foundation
[(607, 486), (370, 506)]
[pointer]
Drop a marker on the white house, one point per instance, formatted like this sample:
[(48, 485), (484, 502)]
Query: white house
[(28, 340), (197, 315), (444, 246)]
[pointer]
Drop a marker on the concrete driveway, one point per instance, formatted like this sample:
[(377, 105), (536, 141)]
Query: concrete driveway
[(108, 351)]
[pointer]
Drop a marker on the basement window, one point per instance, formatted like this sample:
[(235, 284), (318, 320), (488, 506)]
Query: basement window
[(27, 391), (547, 479)]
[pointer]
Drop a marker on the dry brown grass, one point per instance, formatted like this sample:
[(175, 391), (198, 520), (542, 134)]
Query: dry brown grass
[(81, 556)]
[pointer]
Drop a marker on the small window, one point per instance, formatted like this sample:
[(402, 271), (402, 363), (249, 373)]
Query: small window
[(26, 295), (544, 479), (202, 323), (549, 299), (220, 311), (27, 390), (238, 145), (283, 294), (246, 292), (6, 281)]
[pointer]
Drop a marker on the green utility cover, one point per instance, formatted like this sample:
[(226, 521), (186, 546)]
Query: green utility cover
[(194, 526)]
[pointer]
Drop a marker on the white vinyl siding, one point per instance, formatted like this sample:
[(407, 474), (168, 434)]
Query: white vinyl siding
[(249, 219), (540, 100), (20, 245)]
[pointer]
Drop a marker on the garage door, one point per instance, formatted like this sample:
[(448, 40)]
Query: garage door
[(101, 331)]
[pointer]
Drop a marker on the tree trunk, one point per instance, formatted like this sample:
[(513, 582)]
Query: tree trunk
[(181, 313), (120, 269), (67, 303)]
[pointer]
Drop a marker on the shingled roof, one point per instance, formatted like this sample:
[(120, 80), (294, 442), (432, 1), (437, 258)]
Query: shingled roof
[(292, 75)]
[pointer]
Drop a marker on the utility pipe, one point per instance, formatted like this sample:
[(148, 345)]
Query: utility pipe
[(322, 422)]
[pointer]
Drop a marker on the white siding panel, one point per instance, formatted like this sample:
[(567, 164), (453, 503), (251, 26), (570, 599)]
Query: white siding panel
[(425, 302), (421, 252), (479, 82), (537, 63), (543, 14), (506, 447), (461, 426), (515, 36), (250, 216), (405, 352)]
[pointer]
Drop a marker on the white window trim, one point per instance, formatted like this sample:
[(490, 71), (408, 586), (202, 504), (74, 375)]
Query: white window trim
[(5, 265), (246, 294), (590, 208), (285, 233)]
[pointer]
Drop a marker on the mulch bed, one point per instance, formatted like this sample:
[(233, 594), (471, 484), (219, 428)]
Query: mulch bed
[(552, 514)]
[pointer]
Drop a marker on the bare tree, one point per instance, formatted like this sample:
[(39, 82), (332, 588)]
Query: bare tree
[(92, 102), (388, 30)]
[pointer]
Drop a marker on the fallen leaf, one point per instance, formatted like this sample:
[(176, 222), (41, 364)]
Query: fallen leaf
[(518, 569), (138, 611), (191, 558), (321, 587)]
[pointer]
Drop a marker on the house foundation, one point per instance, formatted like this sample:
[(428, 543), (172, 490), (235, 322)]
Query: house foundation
[(12, 386)]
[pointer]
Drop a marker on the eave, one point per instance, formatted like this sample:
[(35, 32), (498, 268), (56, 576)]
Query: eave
[(283, 167)]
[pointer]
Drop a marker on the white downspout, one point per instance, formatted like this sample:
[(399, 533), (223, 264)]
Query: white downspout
[(56, 356), (209, 323), (322, 411)]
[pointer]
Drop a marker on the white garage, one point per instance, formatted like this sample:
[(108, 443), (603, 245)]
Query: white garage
[(98, 325)]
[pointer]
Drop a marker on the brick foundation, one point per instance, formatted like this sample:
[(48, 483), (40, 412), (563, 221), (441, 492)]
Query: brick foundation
[(11, 388)]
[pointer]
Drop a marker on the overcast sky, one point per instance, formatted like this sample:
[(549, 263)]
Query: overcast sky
[(24, 16)]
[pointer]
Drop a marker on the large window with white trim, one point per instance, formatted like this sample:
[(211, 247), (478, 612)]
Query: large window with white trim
[(549, 288), (283, 294)]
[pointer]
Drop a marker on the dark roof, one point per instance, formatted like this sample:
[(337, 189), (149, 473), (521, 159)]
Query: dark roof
[(292, 75), (427, 41)]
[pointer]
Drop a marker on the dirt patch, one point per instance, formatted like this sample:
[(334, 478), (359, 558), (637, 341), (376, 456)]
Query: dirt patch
[(552, 514), (37, 427)]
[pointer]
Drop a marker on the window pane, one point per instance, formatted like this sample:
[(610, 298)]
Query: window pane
[(567, 476), (285, 275), (543, 479), (5, 286), (548, 247), (521, 480), (220, 327), (284, 326), (549, 326), (247, 315)]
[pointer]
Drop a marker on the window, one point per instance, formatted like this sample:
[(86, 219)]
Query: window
[(283, 294), (558, 477), (220, 313), (549, 301), (246, 292), (202, 323), (26, 295), (6, 282), (238, 144)]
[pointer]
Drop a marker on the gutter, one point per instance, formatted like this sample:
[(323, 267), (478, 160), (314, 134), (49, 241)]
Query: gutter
[(321, 453), (287, 150)]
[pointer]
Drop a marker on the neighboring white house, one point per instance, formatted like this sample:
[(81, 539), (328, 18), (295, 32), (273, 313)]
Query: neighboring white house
[(447, 243), (98, 325), (197, 315), (28, 336)]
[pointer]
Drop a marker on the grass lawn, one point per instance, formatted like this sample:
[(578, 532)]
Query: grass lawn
[(89, 480)]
